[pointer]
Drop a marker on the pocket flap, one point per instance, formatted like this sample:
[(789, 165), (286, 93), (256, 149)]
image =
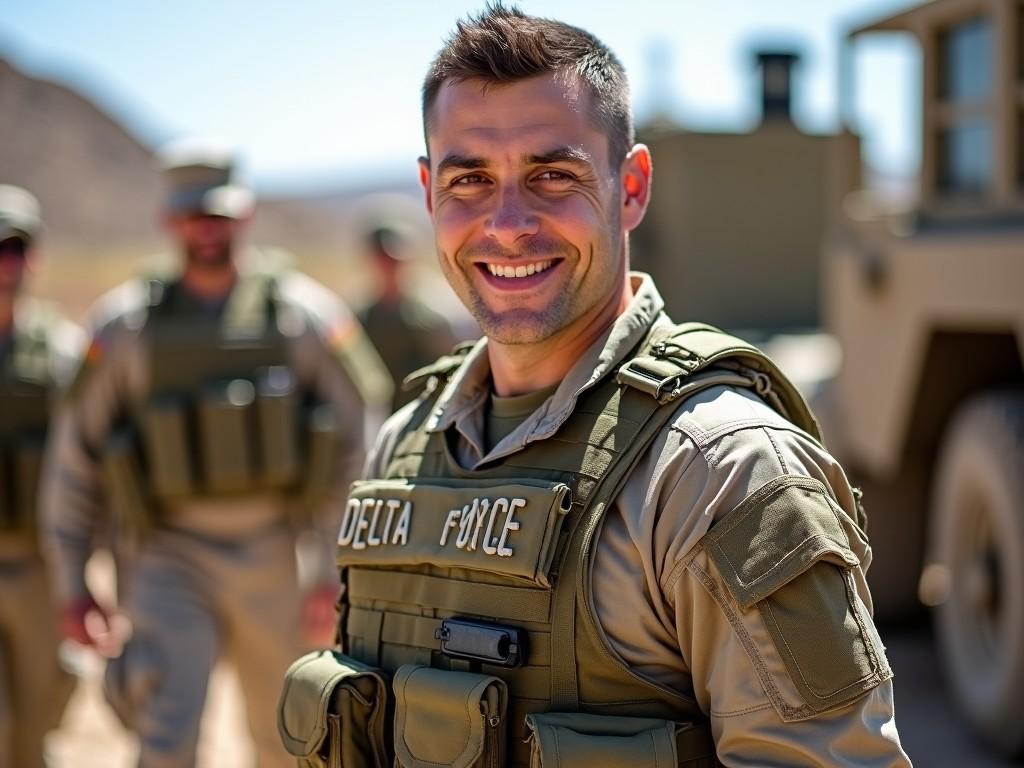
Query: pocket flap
[(309, 687), (578, 740), (774, 535), (441, 716)]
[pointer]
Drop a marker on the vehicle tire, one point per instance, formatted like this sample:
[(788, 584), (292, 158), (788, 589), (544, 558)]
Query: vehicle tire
[(976, 536)]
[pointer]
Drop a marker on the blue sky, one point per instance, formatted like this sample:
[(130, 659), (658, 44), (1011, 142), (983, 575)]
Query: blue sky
[(320, 93)]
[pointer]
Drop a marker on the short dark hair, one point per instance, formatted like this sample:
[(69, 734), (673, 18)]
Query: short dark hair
[(502, 44)]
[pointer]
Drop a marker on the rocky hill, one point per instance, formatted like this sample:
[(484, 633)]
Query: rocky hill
[(93, 178), (99, 190)]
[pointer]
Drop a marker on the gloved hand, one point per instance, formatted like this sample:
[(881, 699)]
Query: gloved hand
[(320, 615), (88, 623)]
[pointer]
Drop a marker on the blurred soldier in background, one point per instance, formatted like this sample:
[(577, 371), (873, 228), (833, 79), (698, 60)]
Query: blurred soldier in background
[(38, 353), (219, 413), (407, 332)]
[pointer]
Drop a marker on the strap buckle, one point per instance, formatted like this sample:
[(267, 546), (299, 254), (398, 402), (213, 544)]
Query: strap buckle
[(481, 641)]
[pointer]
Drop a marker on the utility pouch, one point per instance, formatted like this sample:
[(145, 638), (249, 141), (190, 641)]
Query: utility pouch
[(28, 465), (225, 441), (448, 718), (277, 403), (122, 480), (578, 740), (321, 453), (165, 434), (332, 712)]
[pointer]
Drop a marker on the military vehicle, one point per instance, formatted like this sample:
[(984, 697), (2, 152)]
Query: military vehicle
[(928, 405)]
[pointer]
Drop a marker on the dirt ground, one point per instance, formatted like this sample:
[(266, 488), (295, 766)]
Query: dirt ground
[(91, 736)]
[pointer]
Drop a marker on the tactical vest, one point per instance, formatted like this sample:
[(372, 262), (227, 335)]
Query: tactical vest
[(488, 570), (26, 387), (224, 415)]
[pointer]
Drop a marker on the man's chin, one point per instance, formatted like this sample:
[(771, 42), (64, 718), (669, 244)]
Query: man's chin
[(517, 327)]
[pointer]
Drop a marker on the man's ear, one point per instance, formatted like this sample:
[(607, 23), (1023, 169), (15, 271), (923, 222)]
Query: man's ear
[(635, 175), (425, 182)]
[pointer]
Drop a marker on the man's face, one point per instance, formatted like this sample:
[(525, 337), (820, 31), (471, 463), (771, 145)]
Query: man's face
[(529, 216), (14, 255), (206, 240)]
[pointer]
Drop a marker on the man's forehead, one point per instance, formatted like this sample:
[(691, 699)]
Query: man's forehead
[(481, 105), (476, 113)]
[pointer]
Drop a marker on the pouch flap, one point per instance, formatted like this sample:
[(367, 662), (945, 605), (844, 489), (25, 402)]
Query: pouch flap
[(441, 716), (309, 686), (578, 740), (774, 535), (508, 527)]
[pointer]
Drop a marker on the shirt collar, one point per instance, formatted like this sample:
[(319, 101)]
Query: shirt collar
[(466, 393)]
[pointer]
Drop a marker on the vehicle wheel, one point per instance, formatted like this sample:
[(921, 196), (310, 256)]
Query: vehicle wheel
[(977, 547)]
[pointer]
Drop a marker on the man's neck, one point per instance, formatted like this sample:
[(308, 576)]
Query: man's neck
[(520, 368), (209, 283)]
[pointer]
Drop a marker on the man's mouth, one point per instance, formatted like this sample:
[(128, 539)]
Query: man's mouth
[(519, 270)]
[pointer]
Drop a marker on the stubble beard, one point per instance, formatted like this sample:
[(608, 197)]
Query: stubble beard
[(522, 325)]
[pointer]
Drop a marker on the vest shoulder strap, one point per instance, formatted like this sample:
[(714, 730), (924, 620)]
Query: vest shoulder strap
[(677, 361), (441, 369)]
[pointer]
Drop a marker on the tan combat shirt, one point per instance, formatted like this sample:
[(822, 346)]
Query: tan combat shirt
[(661, 602), (115, 379)]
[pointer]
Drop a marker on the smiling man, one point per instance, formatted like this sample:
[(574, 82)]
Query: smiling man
[(597, 538)]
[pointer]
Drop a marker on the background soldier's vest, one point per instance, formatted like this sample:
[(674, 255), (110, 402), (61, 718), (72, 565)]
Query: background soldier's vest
[(423, 543), (26, 387), (224, 414)]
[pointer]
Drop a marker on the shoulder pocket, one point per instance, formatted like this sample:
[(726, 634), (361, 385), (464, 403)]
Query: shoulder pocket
[(784, 551)]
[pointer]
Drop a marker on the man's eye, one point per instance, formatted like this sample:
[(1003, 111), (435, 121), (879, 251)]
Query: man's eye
[(552, 175), (468, 179)]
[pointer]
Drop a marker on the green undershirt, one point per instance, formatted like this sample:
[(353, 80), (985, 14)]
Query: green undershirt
[(504, 414)]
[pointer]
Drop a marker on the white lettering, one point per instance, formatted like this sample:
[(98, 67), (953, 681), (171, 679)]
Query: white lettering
[(469, 513), (362, 524), (451, 522), (393, 505), (371, 537), (480, 515), (510, 525), (402, 529), (348, 523), (500, 505)]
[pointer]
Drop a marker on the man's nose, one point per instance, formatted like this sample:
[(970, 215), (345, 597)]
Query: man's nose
[(512, 217)]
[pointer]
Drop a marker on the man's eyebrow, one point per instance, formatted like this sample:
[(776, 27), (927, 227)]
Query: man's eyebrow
[(561, 155), (459, 162)]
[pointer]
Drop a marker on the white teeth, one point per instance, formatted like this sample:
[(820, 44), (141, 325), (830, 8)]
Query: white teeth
[(499, 270)]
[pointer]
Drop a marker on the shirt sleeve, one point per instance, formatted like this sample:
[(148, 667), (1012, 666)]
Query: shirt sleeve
[(72, 511), (771, 611)]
